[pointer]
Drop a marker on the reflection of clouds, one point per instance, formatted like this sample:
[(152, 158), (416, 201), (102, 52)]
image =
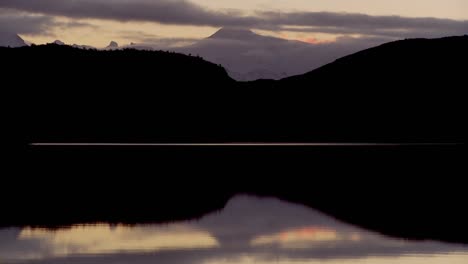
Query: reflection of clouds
[(106, 239), (11, 248), (248, 230), (433, 259), (300, 237), (247, 218)]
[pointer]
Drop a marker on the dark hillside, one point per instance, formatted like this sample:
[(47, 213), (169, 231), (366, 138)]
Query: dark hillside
[(405, 91)]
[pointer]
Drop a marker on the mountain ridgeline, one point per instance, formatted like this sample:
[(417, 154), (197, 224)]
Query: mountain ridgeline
[(404, 91)]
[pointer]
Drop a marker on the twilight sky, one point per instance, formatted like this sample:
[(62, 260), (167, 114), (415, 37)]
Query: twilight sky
[(96, 22)]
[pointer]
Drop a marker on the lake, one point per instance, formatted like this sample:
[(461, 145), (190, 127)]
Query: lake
[(248, 230)]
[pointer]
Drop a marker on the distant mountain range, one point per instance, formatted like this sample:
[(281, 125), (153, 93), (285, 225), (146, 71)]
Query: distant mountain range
[(249, 56)]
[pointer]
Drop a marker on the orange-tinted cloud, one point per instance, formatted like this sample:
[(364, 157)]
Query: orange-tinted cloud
[(313, 40), (305, 234)]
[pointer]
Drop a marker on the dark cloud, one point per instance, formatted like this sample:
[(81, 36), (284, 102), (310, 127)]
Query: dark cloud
[(359, 21), (19, 22), (22, 23), (183, 12), (179, 12), (390, 34), (344, 23)]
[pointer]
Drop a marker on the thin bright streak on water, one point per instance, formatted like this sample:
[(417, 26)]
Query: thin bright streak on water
[(246, 144)]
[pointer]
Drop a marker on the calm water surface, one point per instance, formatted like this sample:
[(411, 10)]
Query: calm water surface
[(248, 230)]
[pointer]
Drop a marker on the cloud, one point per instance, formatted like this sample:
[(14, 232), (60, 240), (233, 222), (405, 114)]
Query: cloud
[(180, 12), (20, 22), (142, 38), (23, 23), (183, 12), (362, 24), (362, 21)]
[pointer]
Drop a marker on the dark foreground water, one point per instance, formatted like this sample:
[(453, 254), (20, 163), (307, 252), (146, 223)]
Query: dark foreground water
[(248, 230)]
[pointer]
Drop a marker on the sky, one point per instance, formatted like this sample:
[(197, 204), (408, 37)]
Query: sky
[(97, 22)]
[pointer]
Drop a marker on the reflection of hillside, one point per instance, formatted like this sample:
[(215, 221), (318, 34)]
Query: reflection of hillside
[(248, 228)]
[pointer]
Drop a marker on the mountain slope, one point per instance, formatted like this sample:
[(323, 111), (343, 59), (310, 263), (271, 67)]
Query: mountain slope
[(403, 91), (124, 87), (11, 40), (249, 56), (399, 90), (406, 60)]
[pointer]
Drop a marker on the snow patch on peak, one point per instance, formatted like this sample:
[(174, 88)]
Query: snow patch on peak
[(112, 45), (58, 42), (233, 33)]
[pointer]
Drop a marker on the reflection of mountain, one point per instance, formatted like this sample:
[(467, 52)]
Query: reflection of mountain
[(261, 230), (392, 93), (250, 56), (245, 219)]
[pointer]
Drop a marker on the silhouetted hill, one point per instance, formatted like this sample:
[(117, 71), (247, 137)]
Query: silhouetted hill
[(411, 61), (131, 66), (75, 94), (406, 91)]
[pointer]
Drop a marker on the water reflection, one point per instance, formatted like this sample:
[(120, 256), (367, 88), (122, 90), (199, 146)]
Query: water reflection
[(248, 230), (110, 239), (306, 236)]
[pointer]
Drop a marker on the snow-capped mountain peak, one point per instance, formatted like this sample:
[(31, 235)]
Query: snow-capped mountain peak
[(112, 45), (11, 40), (233, 33), (247, 55), (58, 42)]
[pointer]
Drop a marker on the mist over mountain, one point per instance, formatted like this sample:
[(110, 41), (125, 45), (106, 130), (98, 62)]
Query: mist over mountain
[(250, 56)]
